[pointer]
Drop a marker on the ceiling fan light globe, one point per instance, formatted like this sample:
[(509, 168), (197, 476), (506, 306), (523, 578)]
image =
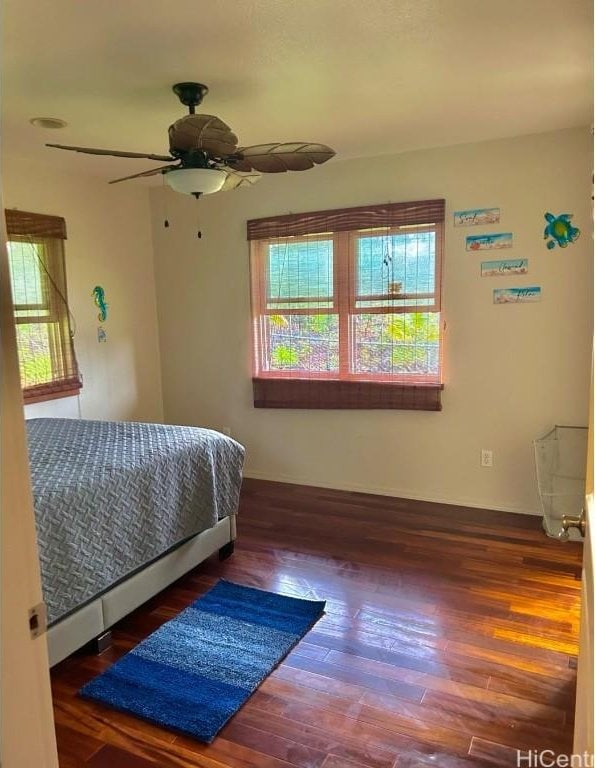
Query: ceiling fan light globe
[(196, 181)]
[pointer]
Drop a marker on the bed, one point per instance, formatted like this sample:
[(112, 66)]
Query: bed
[(122, 510)]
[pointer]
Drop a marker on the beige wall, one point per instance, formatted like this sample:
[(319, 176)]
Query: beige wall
[(109, 243), (511, 371)]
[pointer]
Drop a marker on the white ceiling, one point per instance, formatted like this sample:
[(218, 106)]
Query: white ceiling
[(367, 77)]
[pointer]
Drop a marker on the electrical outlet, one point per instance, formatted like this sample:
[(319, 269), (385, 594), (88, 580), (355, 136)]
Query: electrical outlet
[(226, 431), (487, 458)]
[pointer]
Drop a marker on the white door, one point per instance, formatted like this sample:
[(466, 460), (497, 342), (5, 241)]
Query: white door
[(583, 730), (27, 726)]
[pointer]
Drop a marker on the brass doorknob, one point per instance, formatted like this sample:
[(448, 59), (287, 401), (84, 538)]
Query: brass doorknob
[(574, 521)]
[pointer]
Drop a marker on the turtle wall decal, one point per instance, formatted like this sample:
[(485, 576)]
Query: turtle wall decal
[(559, 230)]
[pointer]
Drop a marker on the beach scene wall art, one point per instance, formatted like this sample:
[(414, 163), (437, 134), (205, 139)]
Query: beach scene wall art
[(489, 242), (503, 267), (526, 295), (475, 216)]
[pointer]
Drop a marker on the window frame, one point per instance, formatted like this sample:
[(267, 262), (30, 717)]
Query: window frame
[(49, 233), (344, 388)]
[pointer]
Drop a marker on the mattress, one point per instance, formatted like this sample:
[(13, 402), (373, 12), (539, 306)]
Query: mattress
[(111, 497)]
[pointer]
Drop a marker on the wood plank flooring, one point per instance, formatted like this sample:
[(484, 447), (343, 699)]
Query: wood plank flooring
[(450, 640)]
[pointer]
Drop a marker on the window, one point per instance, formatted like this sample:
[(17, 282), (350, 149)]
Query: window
[(44, 339), (346, 307)]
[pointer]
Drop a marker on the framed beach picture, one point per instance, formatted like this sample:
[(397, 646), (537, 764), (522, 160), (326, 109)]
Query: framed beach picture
[(526, 295), (503, 267), (489, 242), (475, 216)]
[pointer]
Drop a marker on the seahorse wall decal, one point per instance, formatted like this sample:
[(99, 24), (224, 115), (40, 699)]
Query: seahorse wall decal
[(99, 295)]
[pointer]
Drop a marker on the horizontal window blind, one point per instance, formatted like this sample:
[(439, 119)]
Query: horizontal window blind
[(31, 225), (320, 394), (346, 219)]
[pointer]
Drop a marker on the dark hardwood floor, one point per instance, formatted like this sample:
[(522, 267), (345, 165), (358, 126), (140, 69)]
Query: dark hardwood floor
[(450, 640)]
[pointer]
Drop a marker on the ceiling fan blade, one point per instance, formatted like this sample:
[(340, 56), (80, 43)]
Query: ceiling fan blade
[(278, 158), (152, 172), (205, 132), (236, 179), (112, 152)]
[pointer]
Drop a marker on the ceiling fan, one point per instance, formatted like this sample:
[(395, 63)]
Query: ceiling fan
[(205, 157)]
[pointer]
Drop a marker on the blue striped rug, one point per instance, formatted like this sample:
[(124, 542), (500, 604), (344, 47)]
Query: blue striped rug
[(197, 670)]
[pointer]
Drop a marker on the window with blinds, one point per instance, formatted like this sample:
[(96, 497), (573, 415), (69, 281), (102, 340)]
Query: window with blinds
[(346, 307), (45, 345)]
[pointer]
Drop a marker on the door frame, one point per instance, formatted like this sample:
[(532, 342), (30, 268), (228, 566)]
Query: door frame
[(27, 721)]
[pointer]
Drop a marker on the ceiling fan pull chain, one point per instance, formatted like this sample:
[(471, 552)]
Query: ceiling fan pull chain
[(198, 233), (164, 198)]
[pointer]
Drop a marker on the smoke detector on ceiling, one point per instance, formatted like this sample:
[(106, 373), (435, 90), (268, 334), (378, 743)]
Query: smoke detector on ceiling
[(48, 122)]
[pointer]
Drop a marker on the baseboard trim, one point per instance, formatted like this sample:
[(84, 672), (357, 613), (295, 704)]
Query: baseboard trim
[(381, 491)]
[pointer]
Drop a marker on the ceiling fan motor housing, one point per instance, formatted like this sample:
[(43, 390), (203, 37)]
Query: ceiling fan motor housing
[(204, 132)]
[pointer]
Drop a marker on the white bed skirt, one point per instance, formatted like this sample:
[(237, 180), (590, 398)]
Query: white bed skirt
[(71, 633)]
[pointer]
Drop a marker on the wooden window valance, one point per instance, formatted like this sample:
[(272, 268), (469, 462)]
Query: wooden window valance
[(345, 219), (34, 224)]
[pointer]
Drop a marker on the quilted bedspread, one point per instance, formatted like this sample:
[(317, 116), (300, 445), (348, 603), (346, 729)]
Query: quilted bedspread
[(110, 497)]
